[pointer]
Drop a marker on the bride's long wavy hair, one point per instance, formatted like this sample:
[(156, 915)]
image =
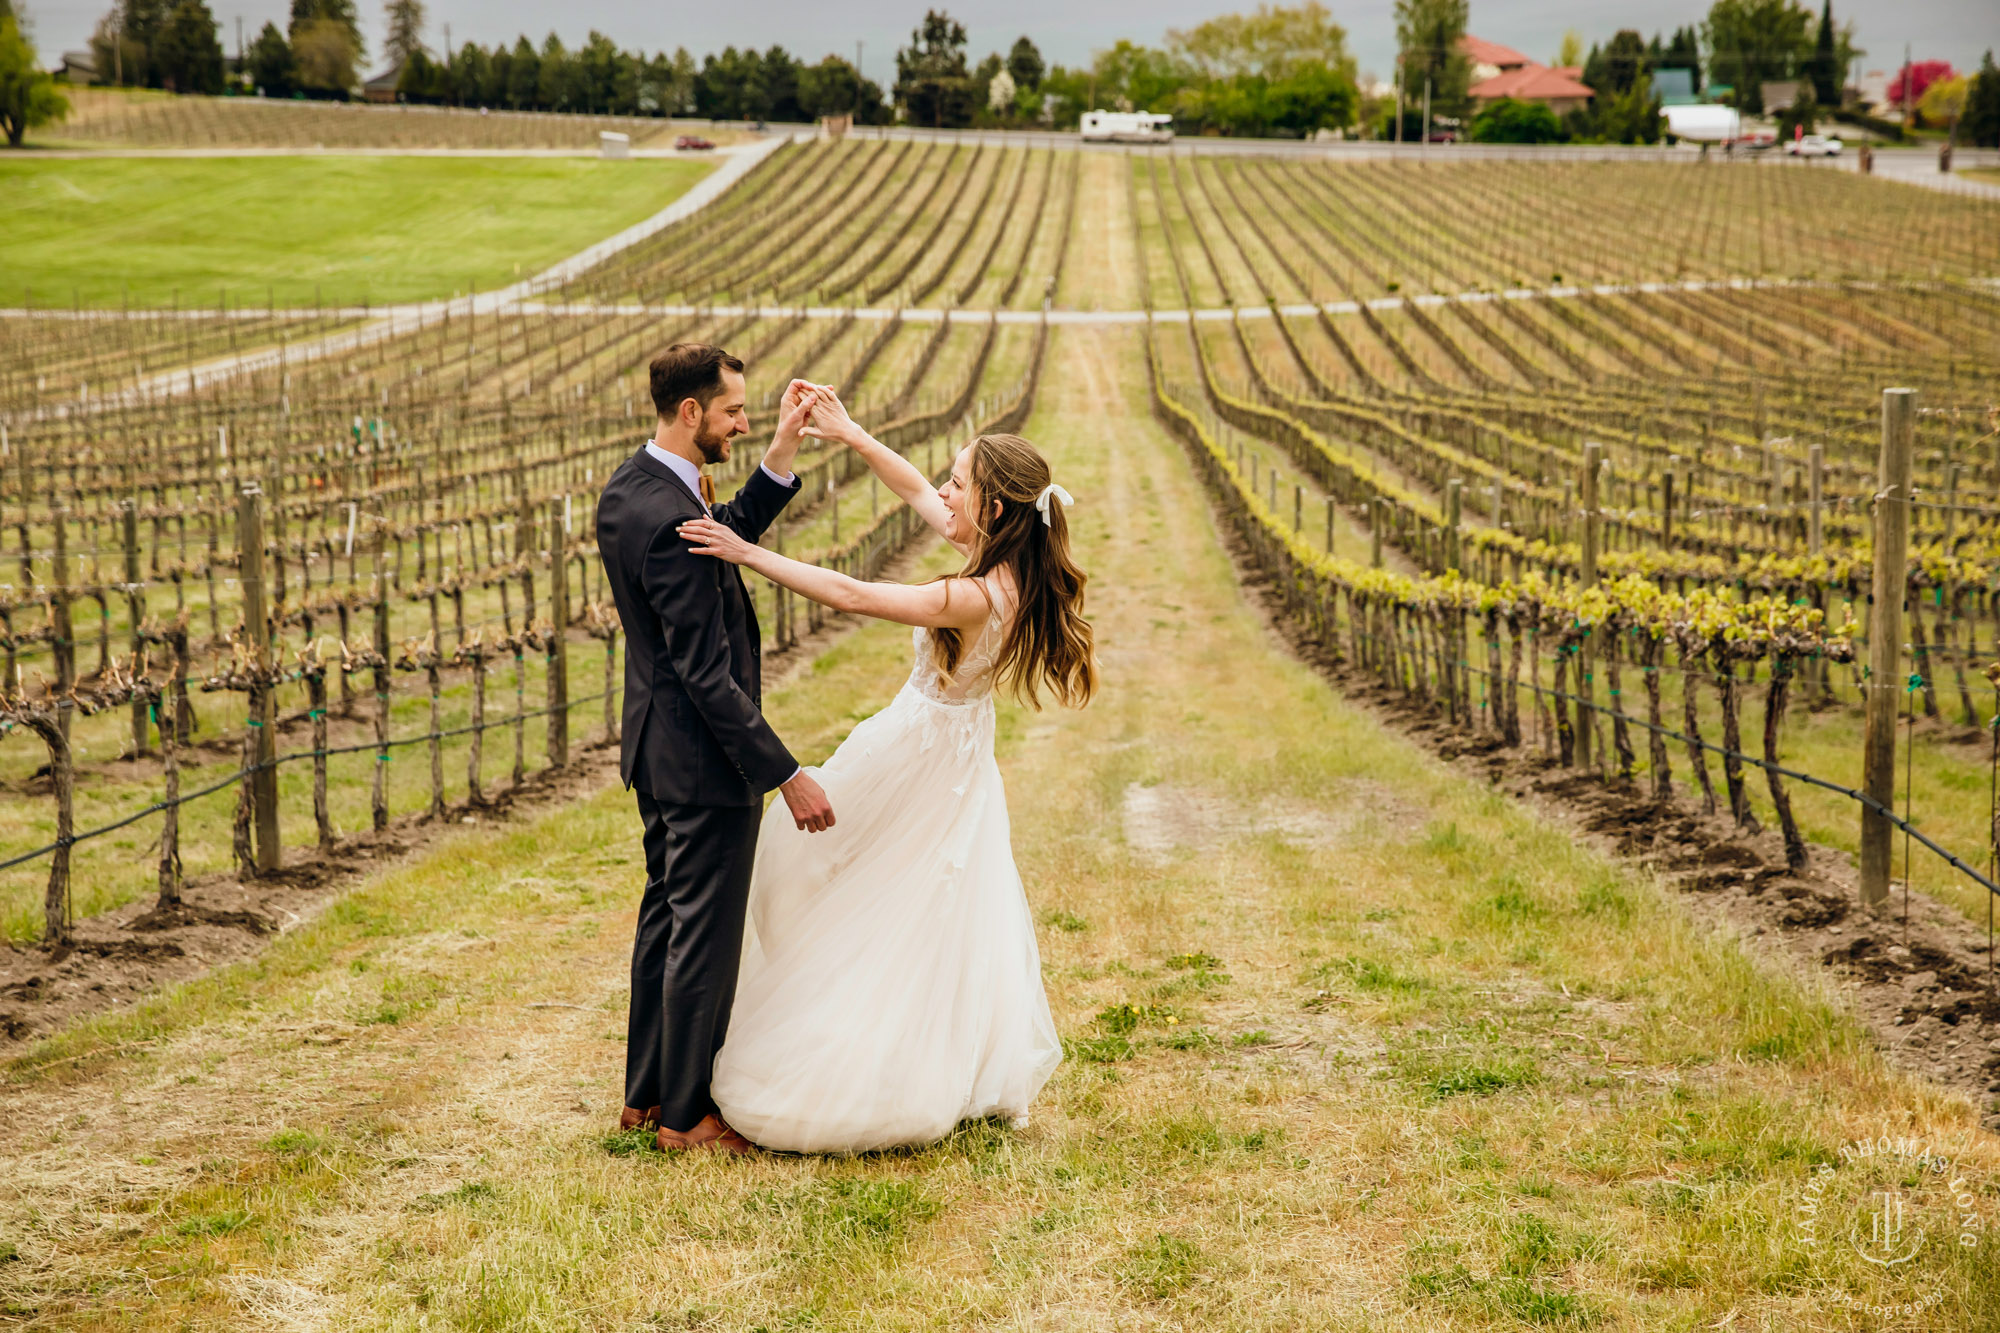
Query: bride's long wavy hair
[(1049, 643)]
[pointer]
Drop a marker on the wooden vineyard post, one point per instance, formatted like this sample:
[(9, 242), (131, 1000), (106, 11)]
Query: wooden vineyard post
[(1329, 525), (378, 791), (62, 634), (473, 653), (1885, 631), (558, 649), (1667, 510), (262, 781), (1817, 676), (1593, 454), (1816, 497), (423, 656), (135, 605), (167, 707), (62, 778), (1375, 533), (1454, 499), (313, 667)]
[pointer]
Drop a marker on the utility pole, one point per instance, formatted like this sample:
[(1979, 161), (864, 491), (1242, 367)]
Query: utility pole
[(1427, 113), (1399, 99)]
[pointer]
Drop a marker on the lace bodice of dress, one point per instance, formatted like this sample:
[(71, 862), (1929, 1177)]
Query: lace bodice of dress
[(973, 681)]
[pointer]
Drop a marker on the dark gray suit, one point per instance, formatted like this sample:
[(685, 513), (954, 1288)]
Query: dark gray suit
[(701, 757)]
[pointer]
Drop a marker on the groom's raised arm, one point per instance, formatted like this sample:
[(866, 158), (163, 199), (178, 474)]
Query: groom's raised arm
[(753, 508), (680, 588), (773, 484)]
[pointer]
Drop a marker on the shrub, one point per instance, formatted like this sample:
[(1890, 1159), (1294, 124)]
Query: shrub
[(1511, 121)]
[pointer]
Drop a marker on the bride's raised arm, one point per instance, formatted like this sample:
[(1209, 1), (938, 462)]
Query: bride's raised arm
[(956, 603), (829, 421)]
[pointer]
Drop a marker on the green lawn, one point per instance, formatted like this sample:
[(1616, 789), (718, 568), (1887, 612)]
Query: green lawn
[(346, 229)]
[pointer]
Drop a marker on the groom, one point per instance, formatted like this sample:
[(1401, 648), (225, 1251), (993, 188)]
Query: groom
[(696, 747)]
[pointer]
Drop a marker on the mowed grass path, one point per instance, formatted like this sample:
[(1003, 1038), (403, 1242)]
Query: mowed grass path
[(338, 229), (1354, 1043)]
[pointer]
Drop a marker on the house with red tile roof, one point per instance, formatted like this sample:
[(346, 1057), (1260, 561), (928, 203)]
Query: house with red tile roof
[(1490, 58), (1500, 71)]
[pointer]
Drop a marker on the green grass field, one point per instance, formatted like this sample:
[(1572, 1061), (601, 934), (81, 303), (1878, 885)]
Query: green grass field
[(342, 229)]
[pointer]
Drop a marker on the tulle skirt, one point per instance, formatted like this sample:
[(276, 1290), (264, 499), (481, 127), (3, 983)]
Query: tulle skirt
[(891, 985)]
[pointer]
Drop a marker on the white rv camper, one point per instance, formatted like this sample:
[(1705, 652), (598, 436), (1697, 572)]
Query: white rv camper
[(1126, 127), (1700, 123)]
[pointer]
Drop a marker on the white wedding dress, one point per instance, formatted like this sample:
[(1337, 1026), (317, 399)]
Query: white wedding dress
[(891, 986)]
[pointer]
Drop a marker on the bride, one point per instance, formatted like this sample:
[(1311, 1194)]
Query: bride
[(891, 986)]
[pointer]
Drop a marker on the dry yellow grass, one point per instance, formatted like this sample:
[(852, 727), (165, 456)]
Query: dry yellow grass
[(1354, 1043)]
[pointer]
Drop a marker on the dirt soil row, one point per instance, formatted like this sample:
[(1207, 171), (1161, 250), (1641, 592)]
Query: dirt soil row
[(1919, 977)]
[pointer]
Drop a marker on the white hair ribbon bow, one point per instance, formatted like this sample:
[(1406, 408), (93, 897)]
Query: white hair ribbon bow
[(1042, 500)]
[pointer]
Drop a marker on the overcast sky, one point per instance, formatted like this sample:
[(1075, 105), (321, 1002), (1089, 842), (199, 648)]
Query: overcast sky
[(1066, 32)]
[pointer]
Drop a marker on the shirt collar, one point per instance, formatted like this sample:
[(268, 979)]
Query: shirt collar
[(681, 468)]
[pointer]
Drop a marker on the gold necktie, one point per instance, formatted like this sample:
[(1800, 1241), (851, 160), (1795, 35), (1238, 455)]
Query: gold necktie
[(707, 490)]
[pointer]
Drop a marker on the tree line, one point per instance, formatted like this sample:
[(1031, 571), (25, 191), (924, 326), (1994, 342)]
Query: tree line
[(1279, 71)]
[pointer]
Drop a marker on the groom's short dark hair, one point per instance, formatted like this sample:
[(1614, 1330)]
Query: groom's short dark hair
[(689, 370)]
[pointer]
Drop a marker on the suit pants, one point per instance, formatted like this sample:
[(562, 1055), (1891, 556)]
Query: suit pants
[(686, 952)]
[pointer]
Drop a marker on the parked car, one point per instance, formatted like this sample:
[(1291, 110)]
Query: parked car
[(1814, 145), (692, 143)]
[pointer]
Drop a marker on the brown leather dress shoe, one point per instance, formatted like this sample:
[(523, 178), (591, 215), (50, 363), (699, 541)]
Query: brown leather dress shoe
[(632, 1118), (709, 1132)]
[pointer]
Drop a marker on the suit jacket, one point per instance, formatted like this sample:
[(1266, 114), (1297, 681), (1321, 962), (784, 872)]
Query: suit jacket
[(694, 732)]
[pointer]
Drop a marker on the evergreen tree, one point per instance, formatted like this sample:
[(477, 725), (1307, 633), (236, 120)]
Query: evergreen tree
[(554, 89), (186, 51), (1620, 65), (1024, 64), (1979, 123), (728, 87), (830, 88), (780, 86), (1683, 52), (123, 42), (932, 82), (1826, 69), (406, 31), (524, 76), (272, 68)]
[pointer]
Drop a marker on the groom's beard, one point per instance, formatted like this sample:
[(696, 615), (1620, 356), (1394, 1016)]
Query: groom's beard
[(714, 448)]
